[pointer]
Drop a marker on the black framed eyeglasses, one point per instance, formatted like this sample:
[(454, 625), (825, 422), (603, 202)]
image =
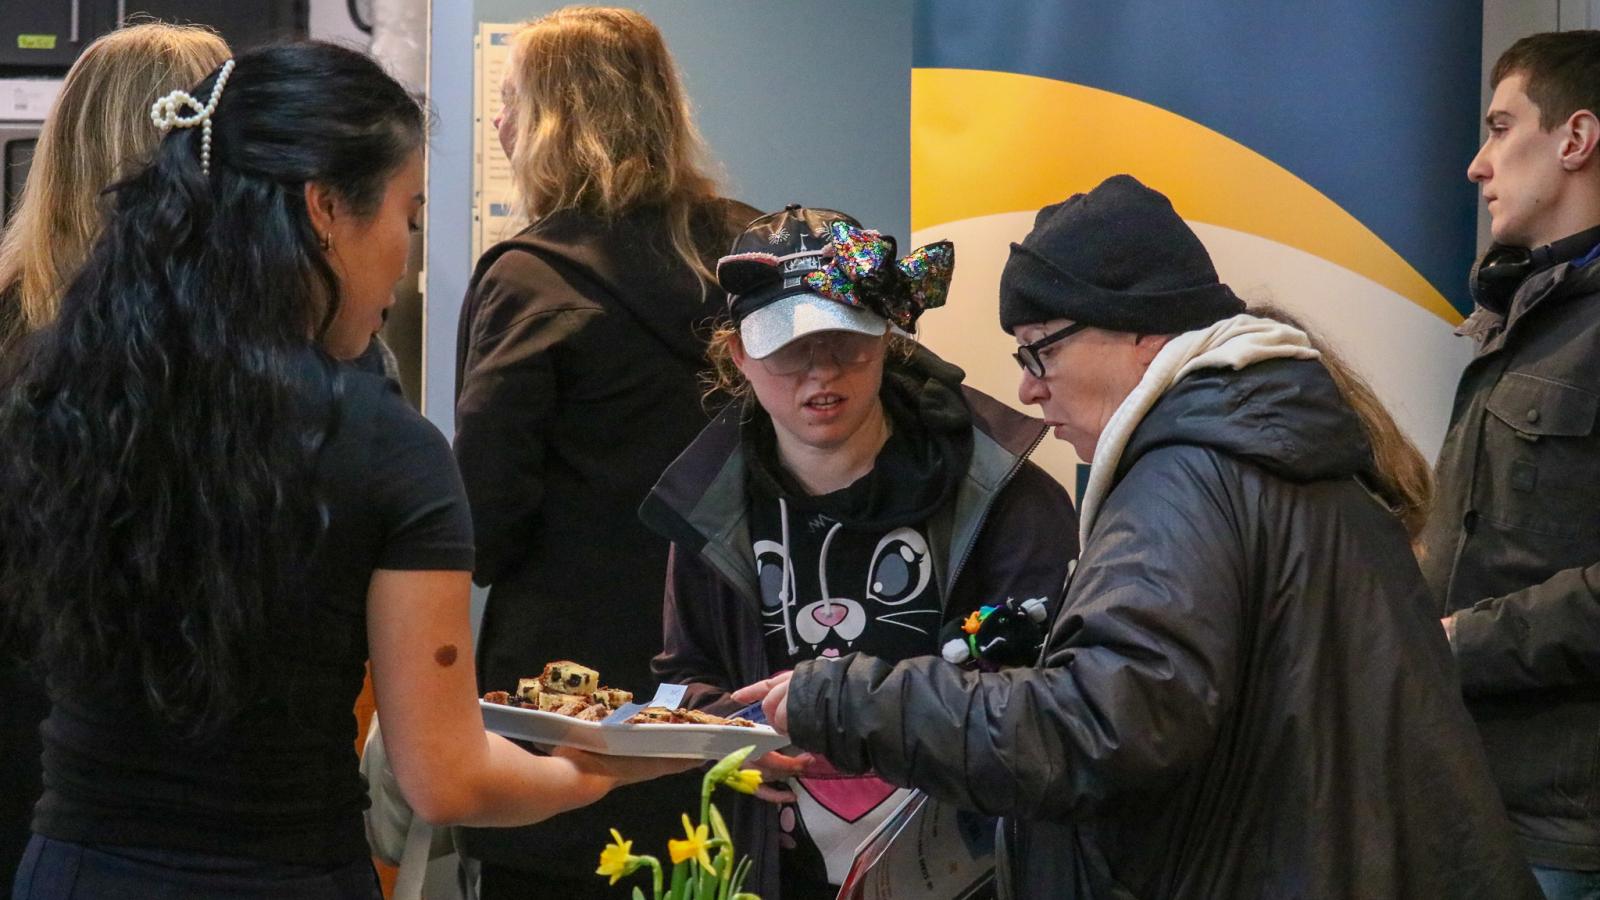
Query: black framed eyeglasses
[(1028, 356)]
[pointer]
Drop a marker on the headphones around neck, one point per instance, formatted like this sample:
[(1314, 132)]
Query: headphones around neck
[(1504, 268)]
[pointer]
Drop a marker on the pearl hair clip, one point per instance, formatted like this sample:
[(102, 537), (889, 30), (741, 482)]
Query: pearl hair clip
[(166, 113)]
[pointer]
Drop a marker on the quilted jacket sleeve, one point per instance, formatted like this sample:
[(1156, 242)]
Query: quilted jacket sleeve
[(1138, 672)]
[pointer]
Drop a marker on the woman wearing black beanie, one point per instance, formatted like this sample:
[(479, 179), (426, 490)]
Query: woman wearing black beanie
[(1245, 692)]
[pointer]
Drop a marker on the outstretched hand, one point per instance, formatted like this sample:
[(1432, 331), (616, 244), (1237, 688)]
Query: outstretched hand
[(776, 769), (773, 694)]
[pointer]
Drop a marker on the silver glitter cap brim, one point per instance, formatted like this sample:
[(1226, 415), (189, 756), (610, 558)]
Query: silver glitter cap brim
[(766, 330)]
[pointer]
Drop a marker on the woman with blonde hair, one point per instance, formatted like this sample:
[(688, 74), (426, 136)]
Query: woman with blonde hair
[(97, 133), (580, 346), (1400, 477)]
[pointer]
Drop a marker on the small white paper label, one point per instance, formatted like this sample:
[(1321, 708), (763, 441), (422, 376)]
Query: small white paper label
[(669, 695)]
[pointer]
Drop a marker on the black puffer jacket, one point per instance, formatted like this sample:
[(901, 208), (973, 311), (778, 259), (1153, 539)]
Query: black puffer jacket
[(1512, 549), (1246, 695)]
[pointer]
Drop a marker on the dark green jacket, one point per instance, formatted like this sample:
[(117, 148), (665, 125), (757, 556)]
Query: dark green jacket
[(1512, 549)]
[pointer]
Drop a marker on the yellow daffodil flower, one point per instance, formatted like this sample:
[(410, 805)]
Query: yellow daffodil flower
[(745, 781), (617, 859), (695, 846)]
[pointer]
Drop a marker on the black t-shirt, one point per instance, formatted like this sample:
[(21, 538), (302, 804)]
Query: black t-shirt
[(281, 781)]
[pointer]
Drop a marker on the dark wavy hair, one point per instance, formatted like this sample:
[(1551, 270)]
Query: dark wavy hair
[(158, 443)]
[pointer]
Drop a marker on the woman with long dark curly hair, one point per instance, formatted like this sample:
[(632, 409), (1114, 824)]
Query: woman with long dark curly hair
[(94, 135), (209, 524)]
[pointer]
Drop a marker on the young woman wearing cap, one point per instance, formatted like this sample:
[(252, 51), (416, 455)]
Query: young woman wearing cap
[(854, 499), (1246, 692), (581, 344), (208, 526)]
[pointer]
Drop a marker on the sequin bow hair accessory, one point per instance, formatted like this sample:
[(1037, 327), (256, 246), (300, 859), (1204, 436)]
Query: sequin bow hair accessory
[(806, 269), (167, 113), (859, 269)]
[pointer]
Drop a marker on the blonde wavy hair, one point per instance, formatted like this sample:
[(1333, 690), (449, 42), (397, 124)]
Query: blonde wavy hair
[(97, 133), (1405, 480), (602, 125)]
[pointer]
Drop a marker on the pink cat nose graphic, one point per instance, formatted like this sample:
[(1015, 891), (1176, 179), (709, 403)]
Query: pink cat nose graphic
[(830, 614)]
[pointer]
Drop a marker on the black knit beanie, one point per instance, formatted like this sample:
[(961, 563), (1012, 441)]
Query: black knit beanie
[(1118, 258)]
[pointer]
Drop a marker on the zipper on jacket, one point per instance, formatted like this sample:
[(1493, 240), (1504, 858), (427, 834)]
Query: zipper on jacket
[(1005, 881), (983, 517), (1005, 872)]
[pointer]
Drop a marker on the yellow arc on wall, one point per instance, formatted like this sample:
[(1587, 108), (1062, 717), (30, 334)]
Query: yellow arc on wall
[(994, 142)]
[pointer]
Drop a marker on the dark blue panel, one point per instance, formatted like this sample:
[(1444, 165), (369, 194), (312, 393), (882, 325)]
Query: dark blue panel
[(1373, 102)]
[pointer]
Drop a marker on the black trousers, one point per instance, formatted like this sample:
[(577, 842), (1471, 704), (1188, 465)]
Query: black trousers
[(61, 870), (21, 712)]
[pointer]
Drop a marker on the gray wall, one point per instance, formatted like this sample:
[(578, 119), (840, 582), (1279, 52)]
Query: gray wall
[(799, 102)]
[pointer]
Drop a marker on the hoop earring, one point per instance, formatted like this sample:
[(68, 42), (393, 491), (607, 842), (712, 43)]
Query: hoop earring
[(327, 242)]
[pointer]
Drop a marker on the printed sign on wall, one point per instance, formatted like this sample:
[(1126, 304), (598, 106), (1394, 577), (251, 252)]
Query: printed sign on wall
[(494, 195)]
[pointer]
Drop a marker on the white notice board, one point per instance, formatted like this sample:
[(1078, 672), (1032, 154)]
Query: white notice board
[(494, 209)]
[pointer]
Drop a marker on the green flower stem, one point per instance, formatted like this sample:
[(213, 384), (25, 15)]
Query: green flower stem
[(739, 872), (655, 875), (680, 877)]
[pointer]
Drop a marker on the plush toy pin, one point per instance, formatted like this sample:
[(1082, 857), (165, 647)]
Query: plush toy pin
[(994, 637)]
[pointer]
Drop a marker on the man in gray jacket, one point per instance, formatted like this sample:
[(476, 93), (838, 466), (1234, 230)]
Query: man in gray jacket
[(1512, 547), (1245, 693)]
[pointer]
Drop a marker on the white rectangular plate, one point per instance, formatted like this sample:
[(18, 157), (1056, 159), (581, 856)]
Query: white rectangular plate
[(676, 741)]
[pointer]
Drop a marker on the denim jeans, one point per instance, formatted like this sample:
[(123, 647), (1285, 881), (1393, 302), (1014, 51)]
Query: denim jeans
[(61, 870), (1566, 884)]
